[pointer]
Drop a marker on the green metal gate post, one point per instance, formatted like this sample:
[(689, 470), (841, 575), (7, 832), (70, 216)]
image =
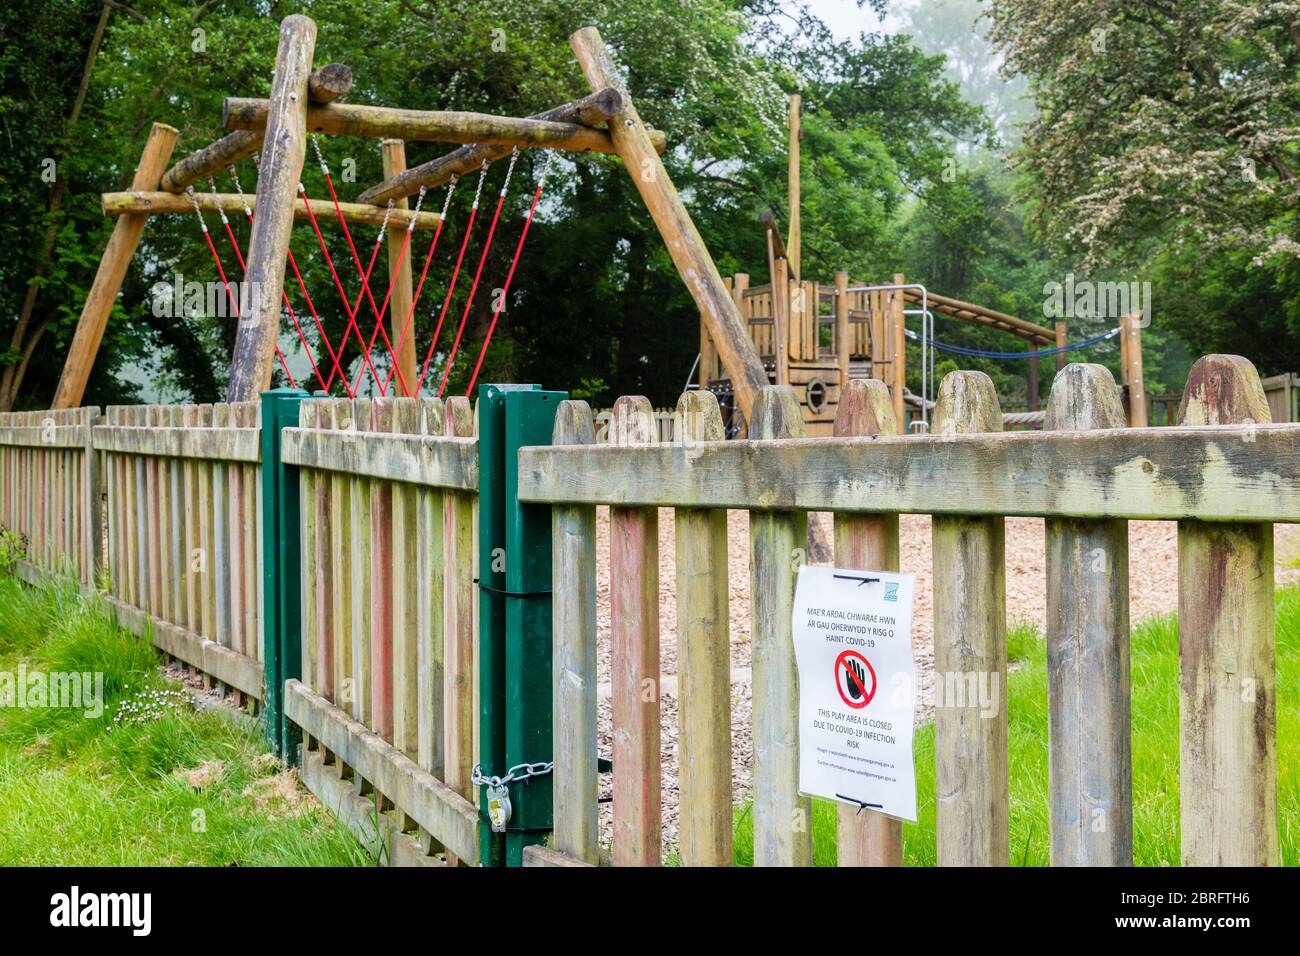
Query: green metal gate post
[(514, 576), (281, 610)]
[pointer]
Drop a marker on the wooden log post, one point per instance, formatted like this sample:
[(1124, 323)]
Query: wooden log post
[(589, 110), (329, 83), (152, 203), (782, 816), (1227, 702), (689, 254), (1091, 767), (399, 275), (793, 198), (573, 554), (782, 319), (704, 659), (1131, 330), (112, 270), (898, 351), (866, 542), (1061, 340), (277, 187), (970, 655), (843, 349), (427, 126), (210, 160), (634, 654)]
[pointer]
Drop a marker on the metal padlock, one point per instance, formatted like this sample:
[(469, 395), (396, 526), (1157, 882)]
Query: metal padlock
[(498, 802)]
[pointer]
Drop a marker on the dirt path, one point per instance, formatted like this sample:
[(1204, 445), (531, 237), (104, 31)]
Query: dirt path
[(1153, 589)]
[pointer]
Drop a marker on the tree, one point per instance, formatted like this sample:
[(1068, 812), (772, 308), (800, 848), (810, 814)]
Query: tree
[(1161, 124)]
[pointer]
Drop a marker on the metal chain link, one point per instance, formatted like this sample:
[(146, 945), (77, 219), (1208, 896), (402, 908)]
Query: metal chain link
[(212, 181), (315, 145), (482, 175), (516, 774), (189, 192), (510, 170), (239, 189)]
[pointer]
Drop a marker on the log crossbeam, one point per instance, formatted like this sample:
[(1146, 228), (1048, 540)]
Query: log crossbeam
[(155, 203)]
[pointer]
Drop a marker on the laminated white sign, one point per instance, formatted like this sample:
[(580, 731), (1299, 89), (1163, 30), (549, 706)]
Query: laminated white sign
[(857, 687)]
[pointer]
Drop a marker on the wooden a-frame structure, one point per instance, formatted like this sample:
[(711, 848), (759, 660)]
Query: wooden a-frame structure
[(302, 102)]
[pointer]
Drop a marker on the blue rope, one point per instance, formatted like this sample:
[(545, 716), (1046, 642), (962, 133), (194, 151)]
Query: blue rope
[(1041, 353)]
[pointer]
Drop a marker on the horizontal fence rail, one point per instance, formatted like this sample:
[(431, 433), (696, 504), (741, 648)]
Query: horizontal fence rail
[(1225, 475), (385, 700), (184, 553), (50, 499), (1215, 473)]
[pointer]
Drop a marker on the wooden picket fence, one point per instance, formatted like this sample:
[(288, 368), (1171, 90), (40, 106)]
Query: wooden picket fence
[(50, 495), (184, 553), (386, 702), (1223, 476)]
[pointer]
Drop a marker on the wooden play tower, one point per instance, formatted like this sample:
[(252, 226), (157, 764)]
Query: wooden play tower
[(815, 336)]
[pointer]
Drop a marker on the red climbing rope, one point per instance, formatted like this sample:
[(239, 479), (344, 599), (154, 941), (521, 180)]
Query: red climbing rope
[(428, 258), (221, 271), (487, 246), (239, 256), (348, 308), (451, 286), (505, 289), (293, 263), (378, 311)]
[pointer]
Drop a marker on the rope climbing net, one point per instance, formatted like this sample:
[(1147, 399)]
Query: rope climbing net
[(325, 373)]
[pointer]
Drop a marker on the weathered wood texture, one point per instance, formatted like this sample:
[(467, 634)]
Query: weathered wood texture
[(1089, 732), (1228, 702), (687, 249), (155, 203), (867, 542), (183, 534), (50, 490), (782, 816), (1222, 473), (573, 556), (704, 661), (401, 300), (277, 188), (634, 650), (429, 126), (970, 656), (328, 83), (589, 110), (112, 270), (387, 650)]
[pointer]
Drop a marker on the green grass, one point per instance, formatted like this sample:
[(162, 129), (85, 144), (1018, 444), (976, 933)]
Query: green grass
[(76, 790), (1154, 678)]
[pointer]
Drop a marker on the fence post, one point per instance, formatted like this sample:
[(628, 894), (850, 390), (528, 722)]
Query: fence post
[(777, 539), (970, 645), (869, 542), (514, 572), (1227, 701), (1089, 724), (281, 561)]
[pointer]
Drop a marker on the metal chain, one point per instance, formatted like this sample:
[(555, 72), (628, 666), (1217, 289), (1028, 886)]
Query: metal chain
[(212, 181), (315, 145), (419, 200), (482, 175), (546, 169), (510, 170), (189, 192), (234, 176), (516, 774)]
